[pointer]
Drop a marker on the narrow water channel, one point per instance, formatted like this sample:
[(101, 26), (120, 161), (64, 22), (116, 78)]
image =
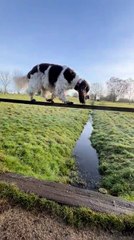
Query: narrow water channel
[(87, 159)]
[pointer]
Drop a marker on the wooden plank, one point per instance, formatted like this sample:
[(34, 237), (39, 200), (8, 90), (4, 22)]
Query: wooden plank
[(69, 195), (79, 106)]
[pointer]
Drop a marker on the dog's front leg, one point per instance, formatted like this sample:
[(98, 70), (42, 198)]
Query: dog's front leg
[(63, 98)]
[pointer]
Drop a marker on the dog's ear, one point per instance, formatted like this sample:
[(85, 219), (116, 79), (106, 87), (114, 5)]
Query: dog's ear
[(87, 88), (84, 86), (83, 89), (81, 96)]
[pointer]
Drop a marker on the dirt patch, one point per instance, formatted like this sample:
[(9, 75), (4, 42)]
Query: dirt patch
[(17, 223), (4, 206), (69, 195)]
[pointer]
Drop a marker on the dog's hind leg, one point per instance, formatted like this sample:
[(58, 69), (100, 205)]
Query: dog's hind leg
[(33, 87), (31, 94), (44, 94), (51, 100)]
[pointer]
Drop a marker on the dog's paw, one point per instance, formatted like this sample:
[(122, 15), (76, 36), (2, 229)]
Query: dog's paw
[(69, 103), (33, 100), (50, 100)]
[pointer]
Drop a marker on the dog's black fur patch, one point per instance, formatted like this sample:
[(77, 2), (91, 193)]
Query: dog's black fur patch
[(34, 70), (54, 73), (43, 67), (69, 74)]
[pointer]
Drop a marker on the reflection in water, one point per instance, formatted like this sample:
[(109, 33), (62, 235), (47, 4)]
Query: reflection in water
[(87, 158)]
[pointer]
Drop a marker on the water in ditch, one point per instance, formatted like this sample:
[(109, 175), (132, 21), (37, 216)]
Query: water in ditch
[(87, 159)]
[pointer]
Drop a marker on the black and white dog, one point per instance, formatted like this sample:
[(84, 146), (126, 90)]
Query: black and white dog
[(55, 79)]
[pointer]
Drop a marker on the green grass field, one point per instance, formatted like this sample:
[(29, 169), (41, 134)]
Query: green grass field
[(38, 141), (113, 138), (113, 104)]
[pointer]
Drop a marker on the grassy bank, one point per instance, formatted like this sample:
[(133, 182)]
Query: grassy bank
[(38, 141), (113, 138)]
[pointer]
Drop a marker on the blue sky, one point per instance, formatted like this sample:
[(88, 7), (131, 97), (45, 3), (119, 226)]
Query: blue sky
[(94, 37)]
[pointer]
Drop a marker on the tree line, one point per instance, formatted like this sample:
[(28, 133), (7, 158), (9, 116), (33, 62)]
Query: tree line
[(112, 90)]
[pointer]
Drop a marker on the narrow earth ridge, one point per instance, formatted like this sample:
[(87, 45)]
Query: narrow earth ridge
[(69, 195)]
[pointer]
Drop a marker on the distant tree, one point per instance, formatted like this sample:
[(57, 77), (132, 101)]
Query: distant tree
[(130, 89), (116, 88), (96, 90), (5, 79)]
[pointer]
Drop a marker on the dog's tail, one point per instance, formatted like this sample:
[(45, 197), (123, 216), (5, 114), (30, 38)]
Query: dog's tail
[(21, 82)]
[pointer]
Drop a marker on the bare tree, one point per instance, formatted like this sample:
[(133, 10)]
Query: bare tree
[(5, 80), (130, 90), (116, 88), (96, 90)]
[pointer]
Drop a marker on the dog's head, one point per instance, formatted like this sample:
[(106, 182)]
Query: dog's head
[(83, 89)]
